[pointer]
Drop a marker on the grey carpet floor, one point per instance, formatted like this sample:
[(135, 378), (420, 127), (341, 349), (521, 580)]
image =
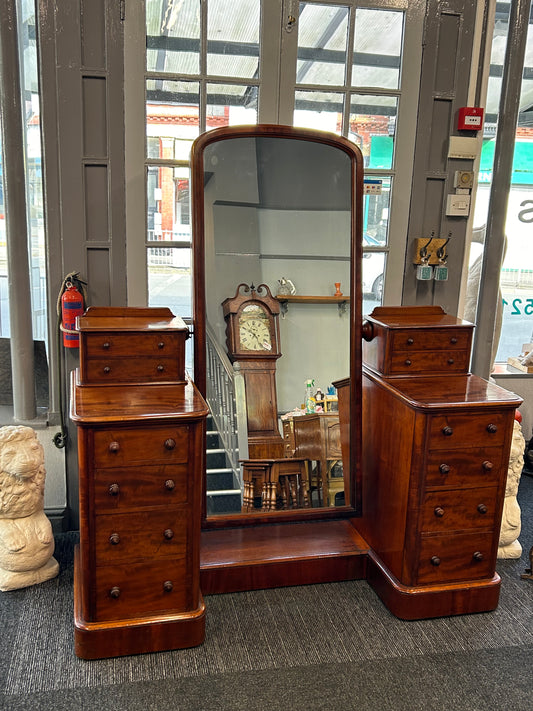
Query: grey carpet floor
[(331, 646)]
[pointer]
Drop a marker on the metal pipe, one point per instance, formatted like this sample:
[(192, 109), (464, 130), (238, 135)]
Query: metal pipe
[(489, 289), (19, 289)]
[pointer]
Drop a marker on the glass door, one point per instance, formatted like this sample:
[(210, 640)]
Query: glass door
[(344, 69)]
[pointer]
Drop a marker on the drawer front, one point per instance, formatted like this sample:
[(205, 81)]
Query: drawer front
[(122, 447), (288, 439), (140, 589), (124, 538), (455, 510), (432, 339), (130, 488), (334, 441), (455, 557), (438, 362), (121, 345), (484, 429), (133, 370), (479, 466)]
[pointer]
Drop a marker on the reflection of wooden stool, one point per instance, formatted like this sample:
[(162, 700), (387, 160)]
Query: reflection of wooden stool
[(265, 477)]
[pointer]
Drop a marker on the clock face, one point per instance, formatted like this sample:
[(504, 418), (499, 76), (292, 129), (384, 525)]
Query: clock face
[(254, 329)]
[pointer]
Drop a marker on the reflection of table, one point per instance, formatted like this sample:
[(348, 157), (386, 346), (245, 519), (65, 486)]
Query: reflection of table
[(317, 437)]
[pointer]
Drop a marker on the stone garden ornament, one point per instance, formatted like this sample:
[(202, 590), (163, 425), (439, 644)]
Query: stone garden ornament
[(26, 539)]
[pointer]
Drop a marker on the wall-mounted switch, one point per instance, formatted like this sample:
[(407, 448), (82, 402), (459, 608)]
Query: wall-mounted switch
[(458, 205)]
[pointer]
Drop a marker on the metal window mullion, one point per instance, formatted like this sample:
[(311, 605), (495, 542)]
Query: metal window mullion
[(20, 308), (203, 67)]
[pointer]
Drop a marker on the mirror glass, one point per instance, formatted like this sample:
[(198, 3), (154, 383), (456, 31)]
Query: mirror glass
[(277, 318)]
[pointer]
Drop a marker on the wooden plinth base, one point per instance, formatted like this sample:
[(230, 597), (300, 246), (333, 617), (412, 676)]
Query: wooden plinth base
[(419, 603), (259, 557), (115, 638)]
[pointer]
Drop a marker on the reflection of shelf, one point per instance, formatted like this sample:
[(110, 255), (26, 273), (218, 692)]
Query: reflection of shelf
[(285, 299)]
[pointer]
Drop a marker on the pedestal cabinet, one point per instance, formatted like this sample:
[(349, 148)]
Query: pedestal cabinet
[(141, 429), (435, 453)]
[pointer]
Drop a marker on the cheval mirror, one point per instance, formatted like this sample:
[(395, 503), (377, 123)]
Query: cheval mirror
[(277, 228)]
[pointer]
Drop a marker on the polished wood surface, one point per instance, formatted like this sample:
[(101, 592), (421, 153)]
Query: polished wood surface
[(123, 403), (434, 472), (111, 335), (141, 455), (276, 555), (416, 340)]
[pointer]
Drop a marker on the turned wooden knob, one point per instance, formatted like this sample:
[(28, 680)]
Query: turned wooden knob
[(114, 447), (160, 368), (444, 468), (170, 443), (438, 511), (367, 331), (447, 431), (167, 586), (169, 484), (407, 362), (487, 466), (114, 539), (482, 508), (114, 489), (450, 361), (160, 345), (107, 370), (410, 341), (106, 345), (115, 592), (169, 534), (435, 560), (453, 340), (478, 556), (492, 428)]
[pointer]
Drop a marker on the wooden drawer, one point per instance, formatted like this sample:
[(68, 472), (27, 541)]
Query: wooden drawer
[(124, 446), (461, 556), (431, 339), (140, 487), (479, 466), (455, 510), (334, 441), (288, 438), (136, 590), (133, 370), (483, 429), (123, 538), (120, 345), (437, 363)]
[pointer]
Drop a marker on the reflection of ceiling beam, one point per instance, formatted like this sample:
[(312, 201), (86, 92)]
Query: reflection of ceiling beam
[(247, 49), (328, 33)]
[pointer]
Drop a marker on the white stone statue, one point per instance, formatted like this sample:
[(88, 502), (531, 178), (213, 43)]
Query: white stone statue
[(509, 546), (26, 539)]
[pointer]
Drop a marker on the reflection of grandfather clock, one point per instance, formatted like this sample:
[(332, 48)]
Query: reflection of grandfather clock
[(252, 338)]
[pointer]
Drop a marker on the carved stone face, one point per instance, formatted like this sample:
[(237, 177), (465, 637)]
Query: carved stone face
[(21, 453)]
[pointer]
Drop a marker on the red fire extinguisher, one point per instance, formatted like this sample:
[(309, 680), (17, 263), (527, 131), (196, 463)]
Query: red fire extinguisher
[(71, 306)]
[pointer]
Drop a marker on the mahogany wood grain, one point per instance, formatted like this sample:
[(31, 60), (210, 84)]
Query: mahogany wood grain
[(423, 602), (140, 487), (158, 632), (278, 555), (391, 331), (141, 452)]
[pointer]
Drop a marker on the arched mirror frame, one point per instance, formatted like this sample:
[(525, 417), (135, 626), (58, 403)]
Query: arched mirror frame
[(355, 315)]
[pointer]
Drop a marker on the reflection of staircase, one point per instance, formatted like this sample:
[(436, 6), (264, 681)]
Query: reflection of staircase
[(223, 494)]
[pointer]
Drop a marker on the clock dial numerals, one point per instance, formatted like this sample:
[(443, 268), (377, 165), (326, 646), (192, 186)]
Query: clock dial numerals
[(254, 330)]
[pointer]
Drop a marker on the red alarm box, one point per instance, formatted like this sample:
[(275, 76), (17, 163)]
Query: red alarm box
[(470, 118)]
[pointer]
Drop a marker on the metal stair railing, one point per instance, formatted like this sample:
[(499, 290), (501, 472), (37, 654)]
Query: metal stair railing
[(226, 397)]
